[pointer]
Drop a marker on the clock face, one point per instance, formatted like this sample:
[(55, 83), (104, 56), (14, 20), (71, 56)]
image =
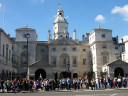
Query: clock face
[(62, 27)]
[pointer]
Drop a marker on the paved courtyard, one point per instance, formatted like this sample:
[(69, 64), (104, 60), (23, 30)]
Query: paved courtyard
[(111, 92)]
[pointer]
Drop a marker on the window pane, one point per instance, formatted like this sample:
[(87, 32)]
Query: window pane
[(116, 47), (64, 49), (25, 46), (64, 62), (24, 60), (53, 49), (41, 50), (84, 50), (54, 61), (74, 61), (74, 49), (104, 46), (103, 35), (84, 61), (104, 59)]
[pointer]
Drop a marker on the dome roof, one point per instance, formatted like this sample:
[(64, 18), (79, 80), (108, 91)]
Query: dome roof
[(60, 20)]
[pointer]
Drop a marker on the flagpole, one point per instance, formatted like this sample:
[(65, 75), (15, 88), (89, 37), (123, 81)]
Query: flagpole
[(3, 14)]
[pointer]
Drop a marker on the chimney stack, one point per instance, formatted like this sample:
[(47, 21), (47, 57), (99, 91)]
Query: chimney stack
[(49, 35), (87, 36), (83, 37), (74, 34), (122, 40), (117, 39)]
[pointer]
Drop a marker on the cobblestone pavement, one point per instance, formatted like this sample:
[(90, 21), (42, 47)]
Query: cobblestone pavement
[(110, 92)]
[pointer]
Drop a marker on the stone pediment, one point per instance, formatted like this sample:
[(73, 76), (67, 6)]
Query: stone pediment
[(40, 64), (117, 63), (64, 41)]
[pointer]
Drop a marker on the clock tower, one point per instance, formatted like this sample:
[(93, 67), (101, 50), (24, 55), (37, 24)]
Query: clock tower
[(60, 25)]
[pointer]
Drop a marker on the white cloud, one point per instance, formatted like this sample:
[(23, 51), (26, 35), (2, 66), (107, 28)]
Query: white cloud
[(66, 17), (100, 18), (121, 10), (40, 1), (0, 5), (125, 38)]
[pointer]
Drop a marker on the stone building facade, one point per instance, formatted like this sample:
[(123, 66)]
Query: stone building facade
[(125, 53), (97, 54), (7, 66)]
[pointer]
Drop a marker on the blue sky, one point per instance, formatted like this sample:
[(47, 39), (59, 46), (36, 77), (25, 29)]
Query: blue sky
[(82, 15)]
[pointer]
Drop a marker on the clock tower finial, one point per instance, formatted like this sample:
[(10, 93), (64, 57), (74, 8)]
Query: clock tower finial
[(59, 5), (60, 25)]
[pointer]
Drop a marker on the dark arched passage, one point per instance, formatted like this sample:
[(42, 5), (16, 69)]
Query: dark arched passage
[(118, 72), (75, 75), (40, 73)]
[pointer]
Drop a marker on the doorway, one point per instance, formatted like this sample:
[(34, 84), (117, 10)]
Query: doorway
[(75, 75), (40, 73), (118, 72)]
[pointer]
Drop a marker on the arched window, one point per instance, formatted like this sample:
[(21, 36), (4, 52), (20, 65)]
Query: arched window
[(64, 60), (7, 51), (9, 54), (53, 58), (3, 50), (23, 58), (105, 59)]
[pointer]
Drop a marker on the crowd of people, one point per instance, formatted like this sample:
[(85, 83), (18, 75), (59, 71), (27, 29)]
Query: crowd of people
[(19, 84)]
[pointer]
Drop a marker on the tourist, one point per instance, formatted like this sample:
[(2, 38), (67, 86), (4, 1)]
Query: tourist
[(108, 83), (119, 82), (97, 83), (75, 83), (115, 83), (101, 83), (92, 84), (68, 84)]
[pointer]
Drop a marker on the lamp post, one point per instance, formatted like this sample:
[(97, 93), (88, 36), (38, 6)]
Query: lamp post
[(27, 36), (68, 65)]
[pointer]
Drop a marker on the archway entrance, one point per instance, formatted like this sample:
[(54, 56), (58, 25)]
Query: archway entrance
[(65, 75), (75, 75), (40, 73), (118, 72), (56, 76)]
